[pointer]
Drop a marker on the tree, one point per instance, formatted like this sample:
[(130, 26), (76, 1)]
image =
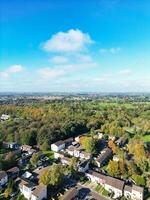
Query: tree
[(53, 176), (89, 144), (140, 180), (113, 146), (113, 168), (45, 146), (34, 159), (73, 164), (44, 177), (7, 192)]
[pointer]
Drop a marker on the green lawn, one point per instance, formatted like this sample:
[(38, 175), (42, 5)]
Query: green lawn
[(49, 154), (146, 138)]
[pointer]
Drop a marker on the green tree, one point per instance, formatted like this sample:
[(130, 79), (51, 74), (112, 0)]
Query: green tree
[(34, 159)]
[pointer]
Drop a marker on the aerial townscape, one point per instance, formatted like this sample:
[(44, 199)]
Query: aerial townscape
[(96, 147), (74, 99)]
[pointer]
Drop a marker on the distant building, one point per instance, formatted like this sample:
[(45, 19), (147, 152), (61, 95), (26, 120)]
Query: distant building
[(104, 157), (4, 117), (57, 146), (112, 137), (134, 192), (3, 178), (11, 145)]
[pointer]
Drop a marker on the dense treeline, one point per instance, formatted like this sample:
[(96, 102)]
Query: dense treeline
[(42, 124)]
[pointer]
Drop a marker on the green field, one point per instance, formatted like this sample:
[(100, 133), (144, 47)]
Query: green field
[(146, 138), (49, 154)]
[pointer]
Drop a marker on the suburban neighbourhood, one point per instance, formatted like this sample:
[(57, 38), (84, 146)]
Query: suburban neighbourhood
[(85, 175)]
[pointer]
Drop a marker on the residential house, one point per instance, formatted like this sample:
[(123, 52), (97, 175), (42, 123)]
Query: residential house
[(39, 193), (99, 135), (3, 178), (11, 145), (57, 146), (83, 166), (104, 157), (85, 155), (28, 149), (70, 150), (68, 141), (32, 191), (121, 142), (13, 172), (96, 177), (112, 137), (112, 185), (58, 155), (65, 160), (77, 152), (71, 194), (134, 192), (4, 117)]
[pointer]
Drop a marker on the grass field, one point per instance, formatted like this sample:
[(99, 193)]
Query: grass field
[(146, 138), (49, 154)]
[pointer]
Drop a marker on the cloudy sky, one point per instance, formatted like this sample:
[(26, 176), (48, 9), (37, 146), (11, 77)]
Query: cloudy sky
[(75, 46)]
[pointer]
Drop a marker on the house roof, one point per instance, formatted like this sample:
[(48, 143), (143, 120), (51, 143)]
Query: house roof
[(41, 171), (60, 142), (68, 140), (138, 188), (38, 190), (128, 188), (114, 182), (86, 153), (71, 148), (26, 183), (24, 146), (70, 194), (96, 174), (2, 174), (13, 170), (104, 156)]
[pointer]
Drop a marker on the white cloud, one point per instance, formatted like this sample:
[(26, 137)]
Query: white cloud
[(13, 69), (59, 59), (63, 70), (71, 41), (125, 72), (115, 50), (51, 73), (112, 50), (85, 58)]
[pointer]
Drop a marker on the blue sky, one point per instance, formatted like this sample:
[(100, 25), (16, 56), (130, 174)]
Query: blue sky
[(75, 46)]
